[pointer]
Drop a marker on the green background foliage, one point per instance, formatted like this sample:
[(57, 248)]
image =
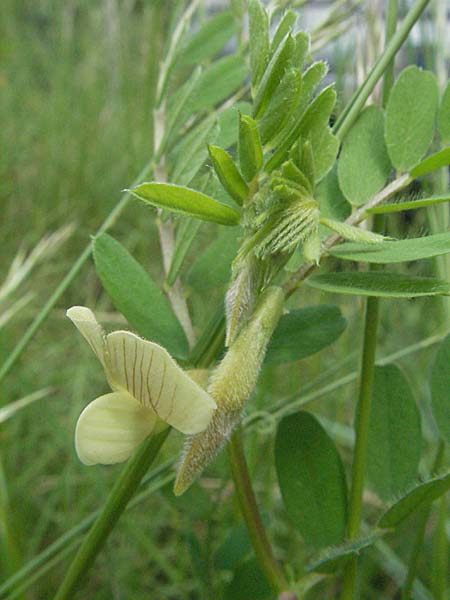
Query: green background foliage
[(77, 91)]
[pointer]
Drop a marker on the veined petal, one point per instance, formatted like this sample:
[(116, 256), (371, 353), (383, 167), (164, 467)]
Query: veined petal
[(86, 323), (111, 427), (148, 372)]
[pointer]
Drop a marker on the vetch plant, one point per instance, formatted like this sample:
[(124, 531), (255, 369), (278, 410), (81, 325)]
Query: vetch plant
[(251, 148)]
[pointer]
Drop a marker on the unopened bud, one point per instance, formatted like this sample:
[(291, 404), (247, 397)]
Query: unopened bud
[(231, 384)]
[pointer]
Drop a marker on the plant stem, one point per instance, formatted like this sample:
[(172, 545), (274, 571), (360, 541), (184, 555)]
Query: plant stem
[(116, 503), (391, 26), (361, 441), (252, 518), (362, 425), (352, 110), (368, 358)]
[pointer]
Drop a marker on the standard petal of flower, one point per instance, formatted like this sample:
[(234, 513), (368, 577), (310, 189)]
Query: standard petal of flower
[(111, 427), (86, 323), (148, 372)]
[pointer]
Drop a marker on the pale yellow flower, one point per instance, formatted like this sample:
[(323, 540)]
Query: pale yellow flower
[(150, 391)]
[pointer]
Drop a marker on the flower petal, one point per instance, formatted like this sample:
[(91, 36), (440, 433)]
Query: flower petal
[(86, 323), (111, 427), (148, 372)]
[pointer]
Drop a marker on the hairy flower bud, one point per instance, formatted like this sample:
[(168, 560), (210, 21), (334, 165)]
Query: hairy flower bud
[(230, 386), (240, 296)]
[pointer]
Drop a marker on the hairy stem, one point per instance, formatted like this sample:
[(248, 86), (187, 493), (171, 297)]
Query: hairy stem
[(120, 495), (252, 518)]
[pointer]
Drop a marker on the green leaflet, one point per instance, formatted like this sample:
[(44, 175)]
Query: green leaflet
[(332, 202), (316, 156), (212, 267), (218, 81), (191, 152), (228, 174), (311, 479), (273, 75), (395, 251), (443, 118), (318, 112), (208, 40), (331, 559), (420, 495), (216, 190), (306, 162), (440, 389), (192, 203), (410, 116), (249, 147), (310, 80), (412, 205), (312, 246), (202, 91), (259, 41), (292, 174), (364, 165), (285, 26), (432, 163), (325, 147), (316, 115), (228, 121), (186, 234), (395, 439), (137, 297), (381, 284), (281, 105), (305, 331), (178, 110), (302, 46), (352, 233)]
